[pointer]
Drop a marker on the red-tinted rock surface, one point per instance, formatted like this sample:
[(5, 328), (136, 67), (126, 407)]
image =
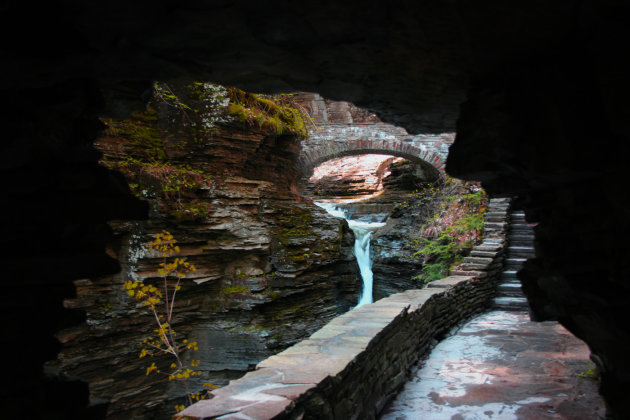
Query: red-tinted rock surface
[(350, 177)]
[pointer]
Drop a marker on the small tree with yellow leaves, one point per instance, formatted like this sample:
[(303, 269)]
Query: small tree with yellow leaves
[(161, 303)]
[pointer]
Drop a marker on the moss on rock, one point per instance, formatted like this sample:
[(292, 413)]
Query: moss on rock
[(277, 113)]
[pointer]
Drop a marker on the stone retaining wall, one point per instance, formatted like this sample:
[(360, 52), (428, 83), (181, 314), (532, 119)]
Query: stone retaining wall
[(355, 364)]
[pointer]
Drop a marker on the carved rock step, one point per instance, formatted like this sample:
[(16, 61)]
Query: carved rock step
[(522, 225), (521, 239), (509, 285), (509, 275), (510, 295), (514, 263), (511, 303), (495, 225), (498, 207), (518, 221), (483, 254), (521, 252), (521, 230), (510, 290)]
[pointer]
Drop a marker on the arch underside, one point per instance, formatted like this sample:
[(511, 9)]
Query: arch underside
[(432, 164)]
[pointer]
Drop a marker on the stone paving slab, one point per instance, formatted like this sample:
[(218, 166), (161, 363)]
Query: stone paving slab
[(448, 282), (501, 366)]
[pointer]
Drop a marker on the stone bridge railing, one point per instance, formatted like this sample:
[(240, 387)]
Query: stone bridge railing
[(329, 141), (355, 364)]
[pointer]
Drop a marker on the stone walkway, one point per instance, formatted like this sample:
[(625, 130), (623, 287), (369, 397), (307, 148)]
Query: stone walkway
[(502, 366)]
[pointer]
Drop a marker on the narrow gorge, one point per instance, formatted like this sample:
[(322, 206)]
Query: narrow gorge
[(218, 168), (270, 269), (529, 99)]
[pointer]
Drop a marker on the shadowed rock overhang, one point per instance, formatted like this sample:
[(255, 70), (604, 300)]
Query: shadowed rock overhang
[(536, 91)]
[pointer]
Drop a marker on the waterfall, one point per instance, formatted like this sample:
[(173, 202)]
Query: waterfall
[(362, 235)]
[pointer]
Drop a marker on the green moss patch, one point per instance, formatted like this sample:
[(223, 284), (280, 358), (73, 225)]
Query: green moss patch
[(280, 114), (234, 290), (296, 223)]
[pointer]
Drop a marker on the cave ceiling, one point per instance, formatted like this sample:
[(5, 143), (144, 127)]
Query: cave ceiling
[(409, 61)]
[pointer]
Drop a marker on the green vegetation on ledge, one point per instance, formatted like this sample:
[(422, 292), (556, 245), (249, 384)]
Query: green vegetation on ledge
[(141, 128), (171, 187), (140, 154), (180, 119), (453, 229), (233, 290), (278, 113)]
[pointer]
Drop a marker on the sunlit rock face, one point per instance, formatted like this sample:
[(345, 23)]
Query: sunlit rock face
[(378, 188), (534, 80), (352, 177)]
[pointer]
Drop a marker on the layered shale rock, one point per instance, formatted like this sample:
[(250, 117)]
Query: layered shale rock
[(270, 270), (392, 249), (351, 177)]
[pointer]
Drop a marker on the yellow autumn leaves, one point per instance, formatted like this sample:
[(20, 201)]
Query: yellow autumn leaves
[(161, 303), (152, 368), (164, 243), (179, 267), (198, 396), (145, 292)]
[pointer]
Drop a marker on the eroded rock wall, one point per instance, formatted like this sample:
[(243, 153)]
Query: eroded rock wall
[(391, 248), (270, 270), (351, 177)]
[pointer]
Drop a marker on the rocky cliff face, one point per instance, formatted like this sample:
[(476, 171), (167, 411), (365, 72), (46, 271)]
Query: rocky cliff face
[(393, 266), (270, 269), (380, 189), (350, 177)]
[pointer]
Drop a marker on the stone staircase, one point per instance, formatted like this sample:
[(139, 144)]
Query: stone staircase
[(510, 296)]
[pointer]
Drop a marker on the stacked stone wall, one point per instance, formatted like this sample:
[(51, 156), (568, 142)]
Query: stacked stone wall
[(355, 364), (342, 129), (329, 141)]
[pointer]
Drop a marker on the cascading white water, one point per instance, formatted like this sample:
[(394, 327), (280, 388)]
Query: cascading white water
[(362, 234)]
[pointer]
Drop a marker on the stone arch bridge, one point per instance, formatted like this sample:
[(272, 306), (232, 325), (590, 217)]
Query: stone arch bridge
[(329, 141)]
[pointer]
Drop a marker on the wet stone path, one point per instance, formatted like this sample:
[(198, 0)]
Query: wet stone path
[(500, 365)]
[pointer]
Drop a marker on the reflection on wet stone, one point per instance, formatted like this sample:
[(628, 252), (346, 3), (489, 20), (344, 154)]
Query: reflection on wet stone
[(500, 365)]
